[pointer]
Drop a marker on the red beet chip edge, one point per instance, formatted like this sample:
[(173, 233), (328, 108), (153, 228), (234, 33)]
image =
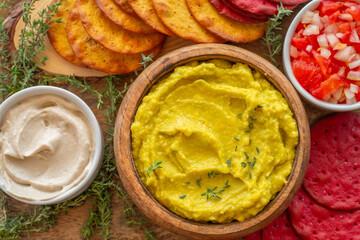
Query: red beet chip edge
[(280, 229)]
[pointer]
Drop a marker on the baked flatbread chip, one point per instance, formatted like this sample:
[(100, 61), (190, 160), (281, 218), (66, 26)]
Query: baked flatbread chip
[(177, 17), (125, 6), (57, 34), (144, 9), (111, 35), (96, 56), (121, 18), (206, 14)]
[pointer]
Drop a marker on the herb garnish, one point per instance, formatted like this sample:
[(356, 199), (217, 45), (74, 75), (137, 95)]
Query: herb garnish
[(251, 126), (182, 196), (236, 148), (257, 149), (198, 182), (228, 161), (251, 165), (243, 164), (211, 174), (250, 175), (272, 39), (258, 106), (247, 131), (211, 193), (246, 155), (249, 141), (236, 139), (153, 167), (227, 184), (252, 118), (187, 182), (254, 161)]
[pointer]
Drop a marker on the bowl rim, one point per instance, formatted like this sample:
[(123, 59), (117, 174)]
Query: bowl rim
[(96, 160), (288, 69), (128, 173)]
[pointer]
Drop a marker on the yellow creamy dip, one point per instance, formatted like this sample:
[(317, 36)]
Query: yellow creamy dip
[(224, 136), (46, 147)]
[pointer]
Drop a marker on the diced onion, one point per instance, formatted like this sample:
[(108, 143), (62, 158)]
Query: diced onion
[(351, 100), (325, 53), (350, 4), (327, 97), (346, 16), (325, 20), (317, 21), (342, 72), (354, 37), (337, 93), (332, 39), (331, 29), (308, 48), (293, 52), (322, 41), (354, 75), (333, 101), (308, 16), (353, 25), (346, 54), (311, 30), (349, 94), (354, 64), (354, 88), (339, 35)]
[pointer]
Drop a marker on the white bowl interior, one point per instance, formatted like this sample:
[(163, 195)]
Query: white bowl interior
[(98, 136), (289, 72)]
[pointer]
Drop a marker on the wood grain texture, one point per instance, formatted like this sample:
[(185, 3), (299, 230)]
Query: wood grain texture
[(141, 196), (68, 225)]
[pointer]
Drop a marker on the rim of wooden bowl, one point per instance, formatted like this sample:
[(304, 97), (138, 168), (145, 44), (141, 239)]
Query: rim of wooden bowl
[(143, 198)]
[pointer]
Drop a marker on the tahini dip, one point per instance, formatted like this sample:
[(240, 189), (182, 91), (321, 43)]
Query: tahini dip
[(214, 141), (46, 147)]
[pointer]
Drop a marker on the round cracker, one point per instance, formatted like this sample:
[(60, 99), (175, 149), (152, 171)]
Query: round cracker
[(112, 36), (332, 177), (177, 17), (257, 7), (125, 6), (290, 2), (57, 33), (144, 9), (118, 16), (313, 221), (224, 27), (228, 12), (96, 56)]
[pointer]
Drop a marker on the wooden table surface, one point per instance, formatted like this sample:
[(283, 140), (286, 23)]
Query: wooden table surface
[(69, 225)]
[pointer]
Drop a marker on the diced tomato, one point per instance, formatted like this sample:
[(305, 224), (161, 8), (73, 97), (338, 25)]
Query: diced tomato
[(322, 62), (329, 85), (305, 71), (354, 11), (356, 46), (346, 38), (335, 66), (344, 27), (300, 43), (333, 17), (329, 7)]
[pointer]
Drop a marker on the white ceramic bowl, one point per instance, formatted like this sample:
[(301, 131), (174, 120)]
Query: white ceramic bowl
[(289, 73), (98, 136)]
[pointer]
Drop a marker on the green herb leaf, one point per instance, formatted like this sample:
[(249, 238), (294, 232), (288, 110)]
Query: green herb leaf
[(153, 167), (236, 139), (198, 182), (250, 175), (246, 155), (182, 196), (187, 182), (227, 184), (243, 164), (228, 161)]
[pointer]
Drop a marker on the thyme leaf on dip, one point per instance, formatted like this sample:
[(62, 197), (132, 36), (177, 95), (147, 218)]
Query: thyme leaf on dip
[(243, 164), (227, 184), (198, 182), (272, 38), (187, 182), (236, 139), (211, 193), (257, 149), (182, 196), (153, 167), (228, 161)]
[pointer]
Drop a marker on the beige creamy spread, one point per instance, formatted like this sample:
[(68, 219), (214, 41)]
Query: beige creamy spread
[(46, 147)]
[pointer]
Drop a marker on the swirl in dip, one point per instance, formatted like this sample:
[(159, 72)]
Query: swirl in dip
[(214, 141), (46, 147)]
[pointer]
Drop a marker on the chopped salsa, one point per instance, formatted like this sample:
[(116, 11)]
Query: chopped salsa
[(325, 52)]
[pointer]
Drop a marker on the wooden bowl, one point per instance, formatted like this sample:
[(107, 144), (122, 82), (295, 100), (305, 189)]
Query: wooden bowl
[(143, 198)]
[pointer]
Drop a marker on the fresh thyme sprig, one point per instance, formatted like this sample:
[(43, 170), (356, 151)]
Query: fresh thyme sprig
[(212, 193), (153, 167), (272, 39)]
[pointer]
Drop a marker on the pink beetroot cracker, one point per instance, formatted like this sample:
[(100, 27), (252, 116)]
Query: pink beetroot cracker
[(289, 2), (227, 12), (280, 229), (315, 222), (333, 174), (229, 5), (258, 7), (254, 236)]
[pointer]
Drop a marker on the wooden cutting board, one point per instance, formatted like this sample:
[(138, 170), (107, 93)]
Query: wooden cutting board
[(69, 225)]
